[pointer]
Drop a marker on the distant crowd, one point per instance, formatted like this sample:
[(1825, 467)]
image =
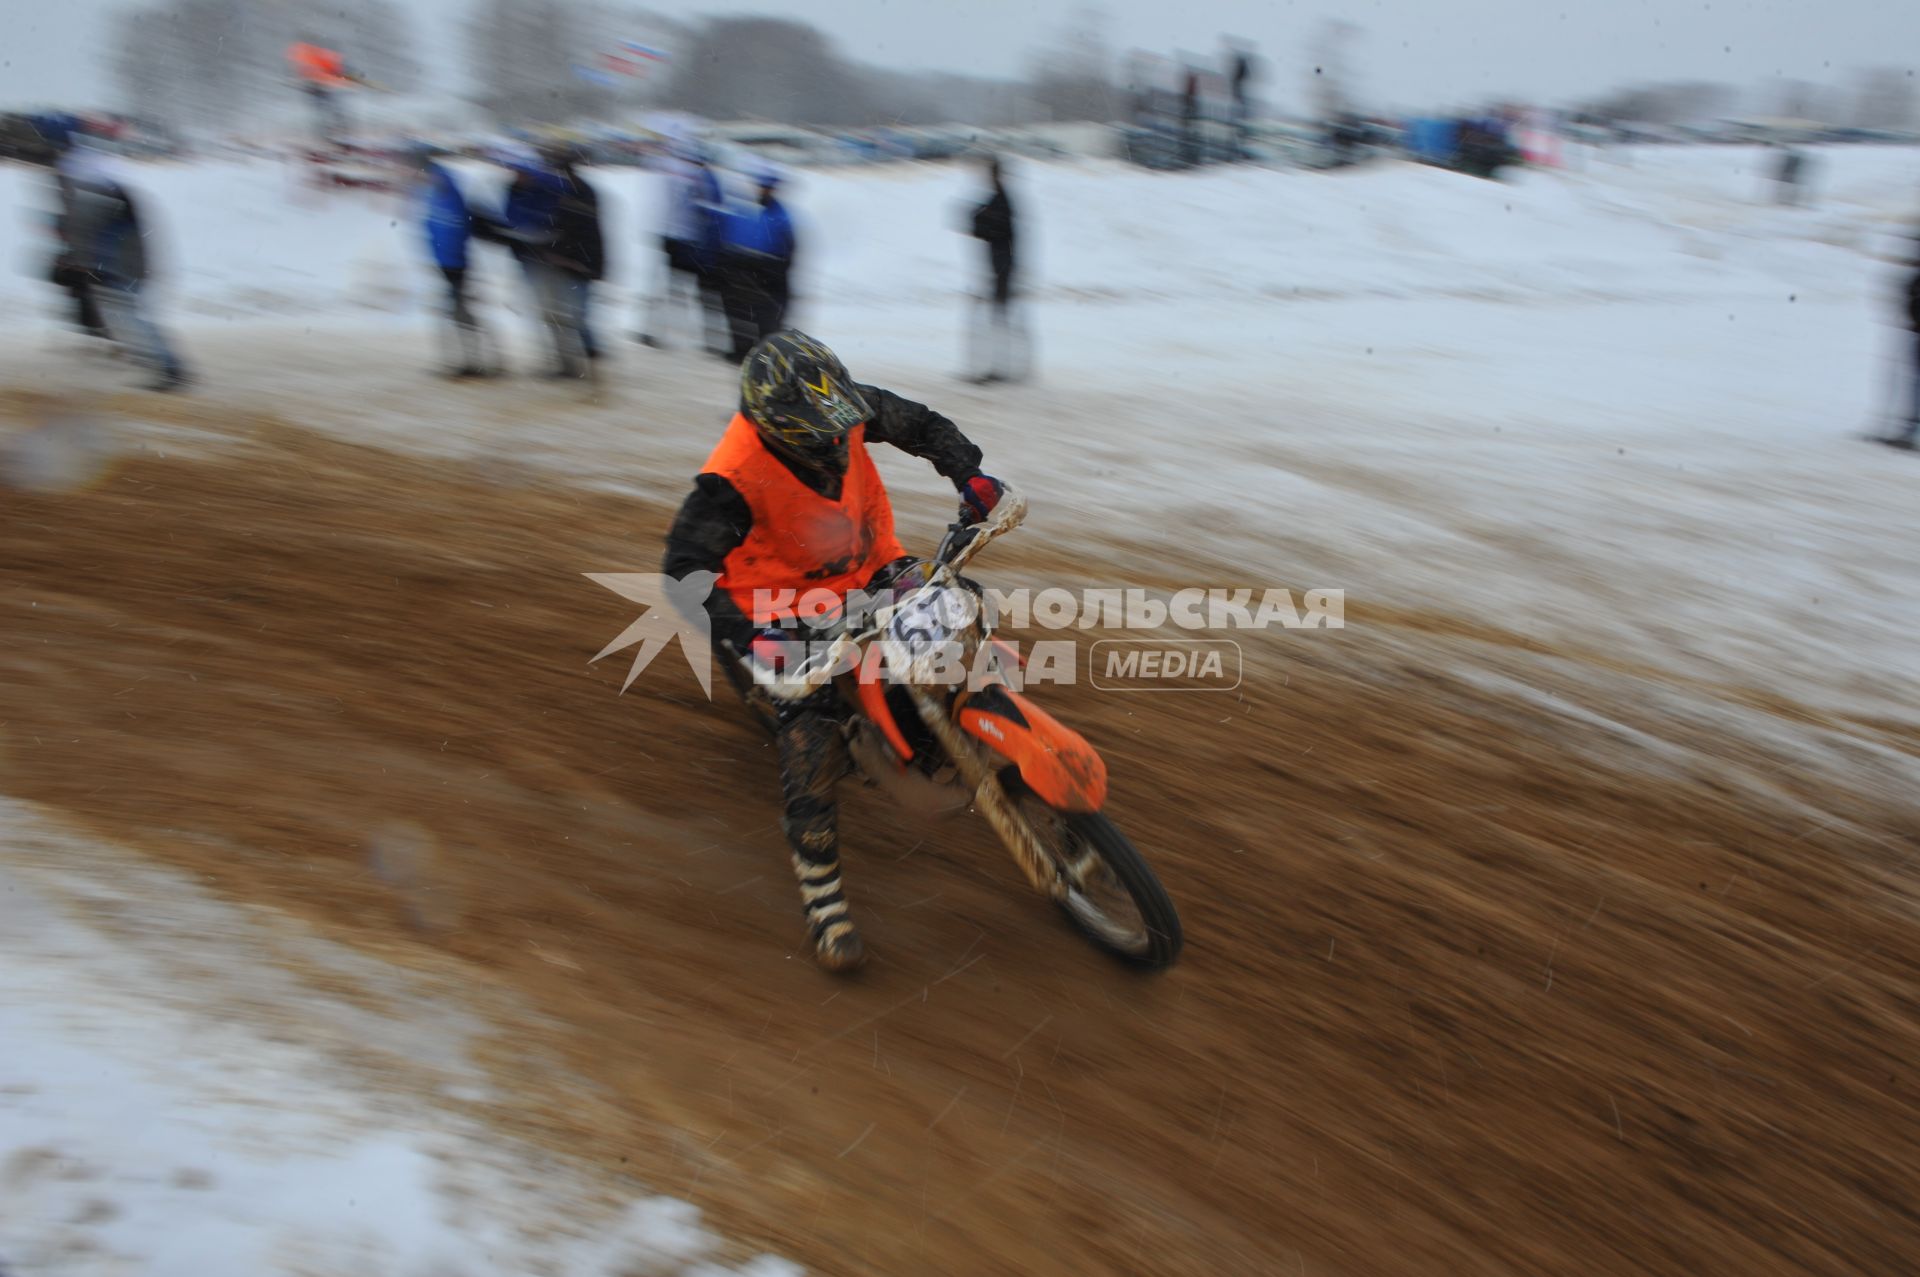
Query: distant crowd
[(726, 263), (732, 260)]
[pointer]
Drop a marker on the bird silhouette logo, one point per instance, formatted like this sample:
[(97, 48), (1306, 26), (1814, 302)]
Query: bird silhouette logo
[(675, 607)]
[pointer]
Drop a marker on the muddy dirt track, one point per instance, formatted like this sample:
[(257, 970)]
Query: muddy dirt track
[(1476, 981)]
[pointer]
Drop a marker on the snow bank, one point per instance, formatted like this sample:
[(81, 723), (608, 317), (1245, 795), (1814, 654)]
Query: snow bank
[(255, 238)]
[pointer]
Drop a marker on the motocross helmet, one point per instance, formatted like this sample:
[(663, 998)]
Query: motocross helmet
[(800, 398)]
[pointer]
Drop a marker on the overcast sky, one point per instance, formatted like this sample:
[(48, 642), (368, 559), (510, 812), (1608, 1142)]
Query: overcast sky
[(1408, 52)]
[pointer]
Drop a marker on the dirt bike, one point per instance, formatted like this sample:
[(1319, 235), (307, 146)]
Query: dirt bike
[(940, 743)]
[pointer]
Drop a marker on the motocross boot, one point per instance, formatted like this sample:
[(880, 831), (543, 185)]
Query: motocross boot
[(836, 942), (812, 759)]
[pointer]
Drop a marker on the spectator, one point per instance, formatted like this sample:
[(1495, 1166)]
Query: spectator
[(65, 272), (574, 260), (108, 243), (993, 225), (1909, 433), (690, 242), (1483, 149), (1790, 177), (449, 225), (757, 266), (322, 73), (528, 226), (1239, 73)]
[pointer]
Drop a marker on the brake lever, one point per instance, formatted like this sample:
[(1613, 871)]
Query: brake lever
[(1009, 514), (959, 537)]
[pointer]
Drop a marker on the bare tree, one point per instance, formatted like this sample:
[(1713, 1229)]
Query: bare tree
[(770, 69), (377, 39), (210, 63), (1681, 102), (1073, 79), (539, 60), (919, 97), (1884, 99), (1798, 100), (140, 58), (521, 60), (211, 84)]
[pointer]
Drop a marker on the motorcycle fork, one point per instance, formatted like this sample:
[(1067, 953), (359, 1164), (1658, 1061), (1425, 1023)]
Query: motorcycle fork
[(989, 796)]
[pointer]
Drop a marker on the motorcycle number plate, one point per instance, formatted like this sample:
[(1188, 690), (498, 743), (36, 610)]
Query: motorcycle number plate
[(926, 623)]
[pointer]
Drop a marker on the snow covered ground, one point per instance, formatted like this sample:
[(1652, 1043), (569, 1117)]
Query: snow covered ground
[(1614, 410), (1614, 406), (253, 237), (180, 1096)]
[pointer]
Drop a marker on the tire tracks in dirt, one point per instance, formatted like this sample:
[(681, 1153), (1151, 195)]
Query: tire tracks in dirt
[(1473, 984)]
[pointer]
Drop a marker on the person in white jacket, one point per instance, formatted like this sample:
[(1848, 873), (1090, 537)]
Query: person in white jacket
[(108, 244)]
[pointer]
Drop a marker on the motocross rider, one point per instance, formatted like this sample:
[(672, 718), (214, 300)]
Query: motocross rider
[(790, 500)]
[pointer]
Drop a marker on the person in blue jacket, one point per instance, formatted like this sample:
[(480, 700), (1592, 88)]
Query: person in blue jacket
[(690, 242), (529, 225), (449, 225), (756, 265), (525, 224)]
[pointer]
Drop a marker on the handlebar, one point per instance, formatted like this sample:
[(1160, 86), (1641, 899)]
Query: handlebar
[(964, 540), (961, 543)]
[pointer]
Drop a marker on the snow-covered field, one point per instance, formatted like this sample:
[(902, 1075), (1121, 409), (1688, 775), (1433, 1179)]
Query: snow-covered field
[(190, 1088), (1613, 410), (1416, 386)]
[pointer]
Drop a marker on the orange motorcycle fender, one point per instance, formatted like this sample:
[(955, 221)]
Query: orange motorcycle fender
[(873, 703), (1055, 761)]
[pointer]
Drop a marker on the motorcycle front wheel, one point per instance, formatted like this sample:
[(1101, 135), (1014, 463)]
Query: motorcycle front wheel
[(1112, 895)]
